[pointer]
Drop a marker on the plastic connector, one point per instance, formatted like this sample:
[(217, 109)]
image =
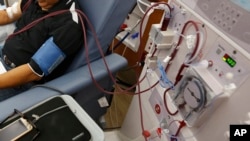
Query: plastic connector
[(123, 26), (183, 11), (203, 64), (229, 89), (135, 35), (166, 59), (164, 46), (162, 39), (164, 81), (146, 134), (190, 41), (151, 61)]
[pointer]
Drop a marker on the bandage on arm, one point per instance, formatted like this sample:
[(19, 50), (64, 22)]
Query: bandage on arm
[(10, 14)]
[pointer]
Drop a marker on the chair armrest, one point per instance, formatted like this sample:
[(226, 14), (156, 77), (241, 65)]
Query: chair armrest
[(69, 83)]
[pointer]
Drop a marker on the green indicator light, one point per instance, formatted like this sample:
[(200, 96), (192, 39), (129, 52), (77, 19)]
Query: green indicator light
[(229, 60)]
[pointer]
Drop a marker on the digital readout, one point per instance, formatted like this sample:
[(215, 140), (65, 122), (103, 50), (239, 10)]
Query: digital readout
[(229, 60)]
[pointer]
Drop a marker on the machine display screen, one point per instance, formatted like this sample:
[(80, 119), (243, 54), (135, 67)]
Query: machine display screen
[(245, 4), (229, 60)]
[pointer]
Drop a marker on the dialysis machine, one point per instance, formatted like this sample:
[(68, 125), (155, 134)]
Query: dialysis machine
[(195, 81)]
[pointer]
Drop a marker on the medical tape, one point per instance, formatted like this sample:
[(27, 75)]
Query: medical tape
[(11, 11)]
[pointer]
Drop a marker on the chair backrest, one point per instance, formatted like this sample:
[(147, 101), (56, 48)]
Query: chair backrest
[(106, 16)]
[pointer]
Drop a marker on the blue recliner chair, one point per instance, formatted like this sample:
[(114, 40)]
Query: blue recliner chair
[(106, 17)]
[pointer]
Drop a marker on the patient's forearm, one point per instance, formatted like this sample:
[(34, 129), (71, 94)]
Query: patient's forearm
[(4, 19), (17, 76)]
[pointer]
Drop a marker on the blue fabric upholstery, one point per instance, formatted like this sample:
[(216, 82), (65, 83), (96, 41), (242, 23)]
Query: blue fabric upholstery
[(106, 16)]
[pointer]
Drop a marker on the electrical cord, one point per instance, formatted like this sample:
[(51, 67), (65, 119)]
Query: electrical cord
[(21, 115), (38, 117), (121, 41), (16, 112), (131, 67), (50, 88)]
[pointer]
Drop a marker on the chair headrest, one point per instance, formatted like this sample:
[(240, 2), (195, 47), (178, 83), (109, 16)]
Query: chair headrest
[(98, 11), (106, 16)]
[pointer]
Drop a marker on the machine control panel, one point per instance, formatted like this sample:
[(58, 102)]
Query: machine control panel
[(230, 16), (229, 65)]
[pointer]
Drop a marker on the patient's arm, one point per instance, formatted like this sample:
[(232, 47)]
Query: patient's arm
[(10, 14), (18, 76)]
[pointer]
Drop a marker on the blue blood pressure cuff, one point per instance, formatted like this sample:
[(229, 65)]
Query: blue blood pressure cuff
[(47, 58)]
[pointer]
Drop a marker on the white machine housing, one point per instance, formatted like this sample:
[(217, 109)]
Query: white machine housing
[(225, 38)]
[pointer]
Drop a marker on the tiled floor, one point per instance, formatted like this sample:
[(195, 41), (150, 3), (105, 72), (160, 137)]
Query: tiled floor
[(112, 136)]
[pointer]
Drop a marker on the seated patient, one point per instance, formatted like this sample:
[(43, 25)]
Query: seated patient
[(43, 51)]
